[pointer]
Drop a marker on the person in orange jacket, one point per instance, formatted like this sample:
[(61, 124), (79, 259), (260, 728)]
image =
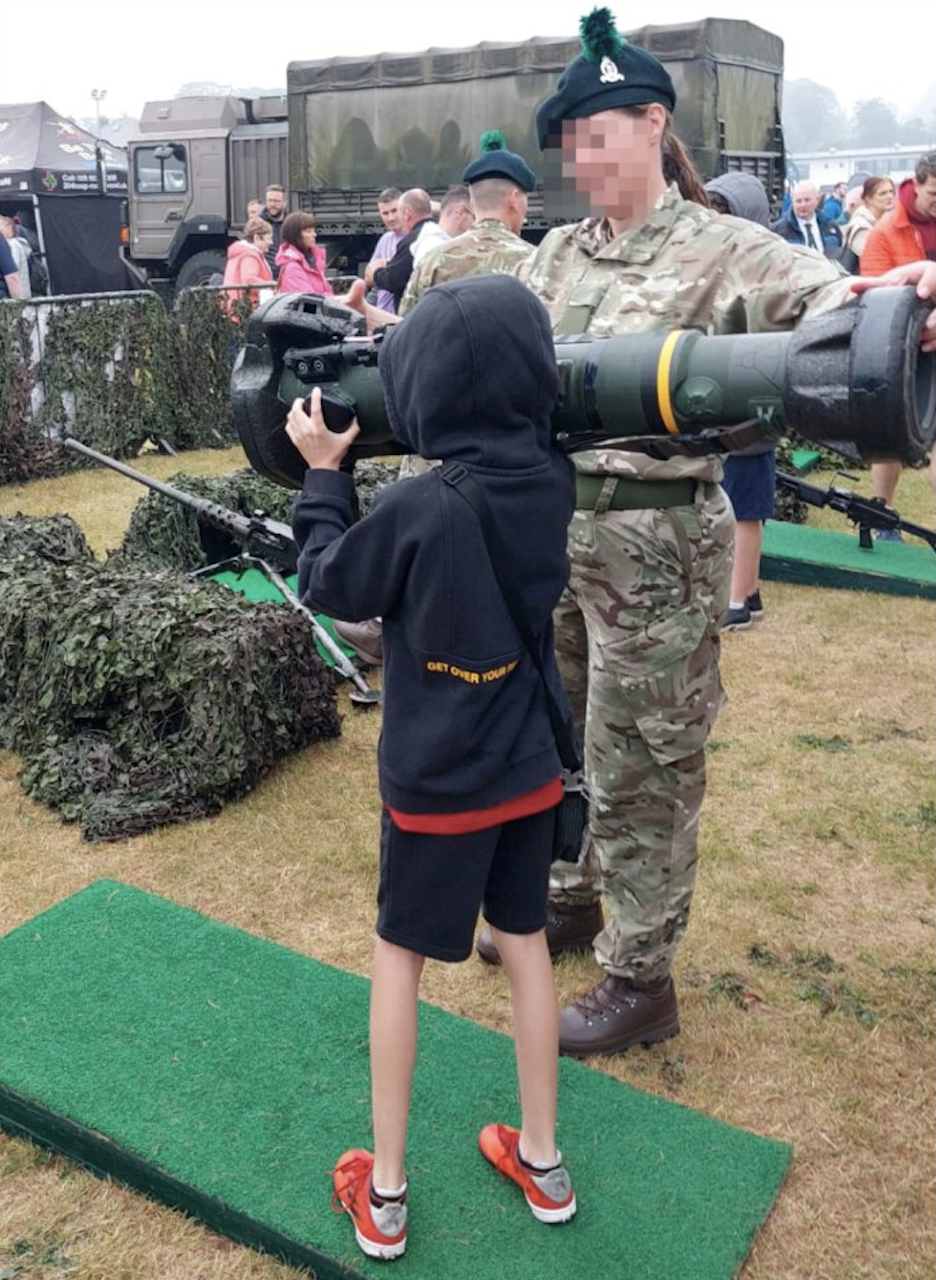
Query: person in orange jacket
[(906, 234)]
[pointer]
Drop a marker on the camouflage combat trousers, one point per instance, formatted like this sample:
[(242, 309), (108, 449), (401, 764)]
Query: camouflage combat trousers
[(637, 642)]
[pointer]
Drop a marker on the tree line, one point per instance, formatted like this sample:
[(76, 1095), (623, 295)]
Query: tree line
[(814, 120)]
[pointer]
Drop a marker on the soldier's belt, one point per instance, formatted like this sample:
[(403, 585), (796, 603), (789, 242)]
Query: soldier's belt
[(632, 495)]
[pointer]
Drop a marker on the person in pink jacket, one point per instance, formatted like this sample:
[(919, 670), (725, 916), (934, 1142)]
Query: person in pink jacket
[(300, 261), (246, 262)]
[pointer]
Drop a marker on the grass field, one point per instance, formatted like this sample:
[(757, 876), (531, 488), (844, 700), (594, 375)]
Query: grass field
[(806, 979)]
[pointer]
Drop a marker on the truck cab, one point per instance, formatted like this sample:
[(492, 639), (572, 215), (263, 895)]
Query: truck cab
[(192, 169)]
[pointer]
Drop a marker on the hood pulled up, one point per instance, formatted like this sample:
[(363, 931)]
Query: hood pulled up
[(471, 374)]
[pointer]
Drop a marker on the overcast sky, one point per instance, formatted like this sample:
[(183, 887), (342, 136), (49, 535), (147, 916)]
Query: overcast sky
[(148, 49)]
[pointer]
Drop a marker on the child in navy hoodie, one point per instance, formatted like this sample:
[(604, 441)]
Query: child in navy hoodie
[(468, 765)]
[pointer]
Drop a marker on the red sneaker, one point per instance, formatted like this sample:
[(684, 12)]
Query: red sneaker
[(379, 1226), (549, 1194)]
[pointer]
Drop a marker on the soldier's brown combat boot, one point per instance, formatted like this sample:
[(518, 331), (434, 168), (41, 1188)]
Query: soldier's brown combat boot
[(615, 1015), (569, 927)]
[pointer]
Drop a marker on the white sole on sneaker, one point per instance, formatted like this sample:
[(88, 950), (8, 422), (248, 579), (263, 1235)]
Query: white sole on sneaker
[(562, 1214), (386, 1252)]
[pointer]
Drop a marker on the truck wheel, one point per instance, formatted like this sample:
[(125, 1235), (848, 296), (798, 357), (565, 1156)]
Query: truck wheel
[(200, 267)]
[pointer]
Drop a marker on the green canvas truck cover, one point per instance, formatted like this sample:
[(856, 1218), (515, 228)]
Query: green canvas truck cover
[(414, 119)]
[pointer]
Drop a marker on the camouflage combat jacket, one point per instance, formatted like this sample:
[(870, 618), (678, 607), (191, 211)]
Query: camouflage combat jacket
[(684, 267), (489, 247)]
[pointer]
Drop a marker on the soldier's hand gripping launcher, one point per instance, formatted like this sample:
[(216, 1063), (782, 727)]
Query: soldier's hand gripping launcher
[(854, 375)]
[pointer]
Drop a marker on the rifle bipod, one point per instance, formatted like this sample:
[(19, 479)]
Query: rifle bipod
[(361, 695)]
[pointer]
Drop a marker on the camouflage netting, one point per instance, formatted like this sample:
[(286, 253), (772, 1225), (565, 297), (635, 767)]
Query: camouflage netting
[(370, 477), (162, 533), (787, 506), (114, 372), (24, 451), (209, 332), (142, 700)]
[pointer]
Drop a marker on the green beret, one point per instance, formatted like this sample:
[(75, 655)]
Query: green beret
[(608, 73), (496, 161)]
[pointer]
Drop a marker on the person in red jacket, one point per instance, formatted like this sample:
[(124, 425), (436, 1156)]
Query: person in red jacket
[(300, 261), (906, 234), (247, 264)]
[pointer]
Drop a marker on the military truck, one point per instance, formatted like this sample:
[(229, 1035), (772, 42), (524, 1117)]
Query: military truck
[(358, 125), (191, 172)]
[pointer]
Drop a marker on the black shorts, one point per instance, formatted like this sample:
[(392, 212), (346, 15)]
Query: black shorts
[(750, 483), (431, 887)]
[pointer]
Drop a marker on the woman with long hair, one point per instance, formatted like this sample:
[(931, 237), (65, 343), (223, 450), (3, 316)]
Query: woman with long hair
[(638, 630), (650, 543), (877, 197), (299, 260)]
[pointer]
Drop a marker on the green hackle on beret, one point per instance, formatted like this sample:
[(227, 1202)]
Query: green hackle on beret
[(610, 72), (600, 36), (493, 140), (498, 161)]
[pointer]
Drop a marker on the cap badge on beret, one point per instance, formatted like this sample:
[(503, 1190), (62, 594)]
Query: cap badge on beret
[(610, 74)]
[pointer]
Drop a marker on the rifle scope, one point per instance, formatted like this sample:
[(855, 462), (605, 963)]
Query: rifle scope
[(854, 375)]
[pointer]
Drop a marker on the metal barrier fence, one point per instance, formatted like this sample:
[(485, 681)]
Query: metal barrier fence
[(115, 370)]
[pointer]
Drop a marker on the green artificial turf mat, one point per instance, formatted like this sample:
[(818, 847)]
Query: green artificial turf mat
[(822, 558), (253, 584), (256, 586), (224, 1075), (804, 459)]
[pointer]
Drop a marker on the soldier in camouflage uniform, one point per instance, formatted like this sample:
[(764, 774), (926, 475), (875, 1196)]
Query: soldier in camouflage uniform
[(499, 182), (490, 246), (651, 541), (650, 544)]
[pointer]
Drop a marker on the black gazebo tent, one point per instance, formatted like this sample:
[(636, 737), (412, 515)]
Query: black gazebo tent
[(67, 186)]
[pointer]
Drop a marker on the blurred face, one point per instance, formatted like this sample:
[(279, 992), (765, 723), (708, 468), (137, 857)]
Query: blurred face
[(610, 157), (805, 199), (853, 200), (275, 202), (407, 217), (253, 209), (925, 197), (390, 215), (264, 243), (307, 236), (460, 219), (881, 199), (839, 190)]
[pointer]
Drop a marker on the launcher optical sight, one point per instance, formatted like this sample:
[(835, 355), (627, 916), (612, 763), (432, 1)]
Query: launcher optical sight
[(853, 376)]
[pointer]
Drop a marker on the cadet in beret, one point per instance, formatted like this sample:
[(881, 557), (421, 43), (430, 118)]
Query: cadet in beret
[(650, 543), (499, 182)]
